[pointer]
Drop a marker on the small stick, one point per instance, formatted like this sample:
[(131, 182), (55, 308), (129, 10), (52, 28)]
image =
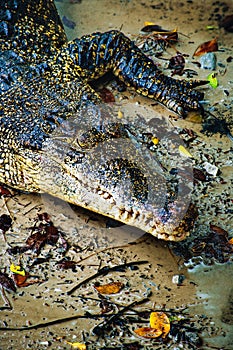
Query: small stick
[(104, 271), (71, 318), (8, 305)]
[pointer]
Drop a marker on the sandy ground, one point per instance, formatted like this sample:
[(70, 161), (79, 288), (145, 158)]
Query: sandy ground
[(207, 289)]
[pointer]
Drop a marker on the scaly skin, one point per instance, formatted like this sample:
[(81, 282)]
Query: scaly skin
[(57, 137)]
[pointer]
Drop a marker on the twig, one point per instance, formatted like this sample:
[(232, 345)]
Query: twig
[(51, 323), (8, 305), (112, 318), (104, 271), (71, 318), (143, 239)]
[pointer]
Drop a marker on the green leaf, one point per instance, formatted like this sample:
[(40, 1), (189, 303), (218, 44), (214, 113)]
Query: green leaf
[(213, 81)]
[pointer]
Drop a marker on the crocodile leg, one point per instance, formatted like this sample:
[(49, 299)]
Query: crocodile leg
[(95, 54)]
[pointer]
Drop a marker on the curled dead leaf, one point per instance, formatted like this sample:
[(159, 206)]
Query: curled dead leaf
[(177, 63), (208, 46), (218, 230), (110, 288), (106, 95), (5, 222), (20, 280), (160, 322), (17, 269), (148, 332)]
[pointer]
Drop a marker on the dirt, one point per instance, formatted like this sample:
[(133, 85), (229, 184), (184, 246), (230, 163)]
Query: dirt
[(204, 297)]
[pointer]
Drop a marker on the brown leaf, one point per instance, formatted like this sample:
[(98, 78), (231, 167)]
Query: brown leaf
[(160, 33), (4, 192), (44, 217), (19, 279), (5, 222), (177, 63), (227, 23), (208, 46), (106, 95), (220, 231), (52, 234), (110, 288), (198, 175), (36, 241), (148, 332), (66, 264)]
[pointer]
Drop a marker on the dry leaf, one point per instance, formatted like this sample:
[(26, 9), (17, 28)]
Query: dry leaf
[(155, 140), (110, 288), (106, 95), (5, 222), (148, 332), (20, 280), (17, 269), (185, 152), (77, 345), (177, 63), (218, 230), (160, 322), (208, 46), (227, 23)]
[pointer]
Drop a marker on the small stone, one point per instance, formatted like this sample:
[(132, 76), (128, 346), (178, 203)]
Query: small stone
[(210, 168), (208, 61), (178, 279)]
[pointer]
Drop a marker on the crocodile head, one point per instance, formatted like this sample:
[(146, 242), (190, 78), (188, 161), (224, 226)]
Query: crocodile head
[(83, 155)]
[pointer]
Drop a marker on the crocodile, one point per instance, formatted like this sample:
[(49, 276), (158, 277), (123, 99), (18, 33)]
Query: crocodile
[(56, 134)]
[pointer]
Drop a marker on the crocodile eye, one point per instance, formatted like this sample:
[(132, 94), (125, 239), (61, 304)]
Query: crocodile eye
[(90, 138)]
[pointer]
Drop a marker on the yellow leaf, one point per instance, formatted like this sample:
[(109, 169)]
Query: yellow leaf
[(148, 332), (155, 140), (185, 152), (160, 322), (213, 81), (110, 288), (148, 23), (17, 269), (77, 345), (230, 241), (120, 114)]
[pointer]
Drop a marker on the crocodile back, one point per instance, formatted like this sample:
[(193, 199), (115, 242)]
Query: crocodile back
[(32, 28)]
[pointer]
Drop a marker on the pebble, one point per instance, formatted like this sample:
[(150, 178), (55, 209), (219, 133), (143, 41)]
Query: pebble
[(210, 168), (208, 61), (178, 279)]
